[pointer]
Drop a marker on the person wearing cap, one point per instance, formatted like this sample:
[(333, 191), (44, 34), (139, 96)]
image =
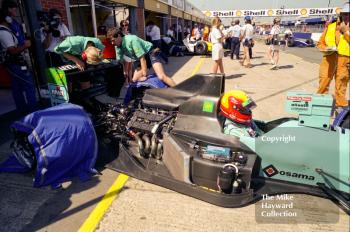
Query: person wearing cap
[(273, 50), (145, 55), (235, 32), (236, 107), (334, 44), (73, 47)]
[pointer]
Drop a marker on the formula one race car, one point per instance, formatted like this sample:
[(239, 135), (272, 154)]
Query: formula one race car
[(174, 138), (197, 47), (290, 41)]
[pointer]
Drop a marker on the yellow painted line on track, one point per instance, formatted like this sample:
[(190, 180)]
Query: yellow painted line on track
[(96, 215), (199, 64)]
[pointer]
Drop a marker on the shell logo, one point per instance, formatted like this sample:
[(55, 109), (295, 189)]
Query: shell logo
[(208, 14), (337, 11), (238, 13), (270, 12), (303, 11)]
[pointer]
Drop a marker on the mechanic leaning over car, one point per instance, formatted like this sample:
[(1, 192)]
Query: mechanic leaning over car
[(334, 43), (236, 106), (79, 49), (145, 55)]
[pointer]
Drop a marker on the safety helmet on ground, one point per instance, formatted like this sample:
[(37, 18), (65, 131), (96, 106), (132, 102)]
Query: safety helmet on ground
[(345, 8), (236, 105)]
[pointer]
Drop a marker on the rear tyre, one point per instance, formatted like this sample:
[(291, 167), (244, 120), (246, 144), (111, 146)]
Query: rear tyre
[(201, 48), (290, 42)]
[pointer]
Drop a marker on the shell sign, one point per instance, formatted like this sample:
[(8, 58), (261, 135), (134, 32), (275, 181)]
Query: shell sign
[(274, 12), (270, 13), (303, 12), (208, 13)]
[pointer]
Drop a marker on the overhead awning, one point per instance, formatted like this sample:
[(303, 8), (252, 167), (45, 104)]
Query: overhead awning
[(176, 13), (107, 3), (187, 16), (156, 6), (126, 2)]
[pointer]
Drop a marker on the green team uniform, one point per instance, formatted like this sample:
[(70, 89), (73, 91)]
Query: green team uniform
[(75, 45), (133, 47), (239, 130)]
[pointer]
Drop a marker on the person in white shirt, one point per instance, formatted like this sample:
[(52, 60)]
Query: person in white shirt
[(153, 32), (235, 32), (217, 37), (273, 50), (170, 32), (51, 38), (247, 39)]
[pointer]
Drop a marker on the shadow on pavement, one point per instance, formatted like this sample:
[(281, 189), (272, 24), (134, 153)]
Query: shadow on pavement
[(286, 66), (55, 209), (176, 64), (261, 64), (234, 76)]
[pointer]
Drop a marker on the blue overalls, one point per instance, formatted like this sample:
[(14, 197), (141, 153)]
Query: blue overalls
[(22, 81)]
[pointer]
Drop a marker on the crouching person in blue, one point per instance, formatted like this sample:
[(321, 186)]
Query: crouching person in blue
[(236, 106), (22, 82)]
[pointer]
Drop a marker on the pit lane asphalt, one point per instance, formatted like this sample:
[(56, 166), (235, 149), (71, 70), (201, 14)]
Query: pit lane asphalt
[(145, 207)]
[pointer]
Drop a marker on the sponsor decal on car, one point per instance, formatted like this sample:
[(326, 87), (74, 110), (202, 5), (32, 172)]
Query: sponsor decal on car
[(271, 171)]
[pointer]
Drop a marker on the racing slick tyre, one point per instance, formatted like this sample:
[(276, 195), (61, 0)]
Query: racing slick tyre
[(290, 42), (201, 48)]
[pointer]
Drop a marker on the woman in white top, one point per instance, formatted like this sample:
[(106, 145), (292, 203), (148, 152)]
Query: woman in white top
[(273, 51), (217, 37), (247, 40)]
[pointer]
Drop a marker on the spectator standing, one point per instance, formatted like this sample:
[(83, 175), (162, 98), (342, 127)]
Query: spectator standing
[(170, 32), (235, 32), (153, 32), (51, 39), (247, 39), (217, 38), (273, 50), (22, 81)]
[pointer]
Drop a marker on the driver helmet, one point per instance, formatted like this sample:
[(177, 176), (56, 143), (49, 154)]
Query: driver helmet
[(236, 105)]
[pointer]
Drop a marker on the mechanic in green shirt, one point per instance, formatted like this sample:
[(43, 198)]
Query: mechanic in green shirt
[(144, 54), (236, 106), (74, 46)]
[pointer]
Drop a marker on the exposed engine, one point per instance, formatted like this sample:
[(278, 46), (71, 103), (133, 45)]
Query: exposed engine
[(139, 126)]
